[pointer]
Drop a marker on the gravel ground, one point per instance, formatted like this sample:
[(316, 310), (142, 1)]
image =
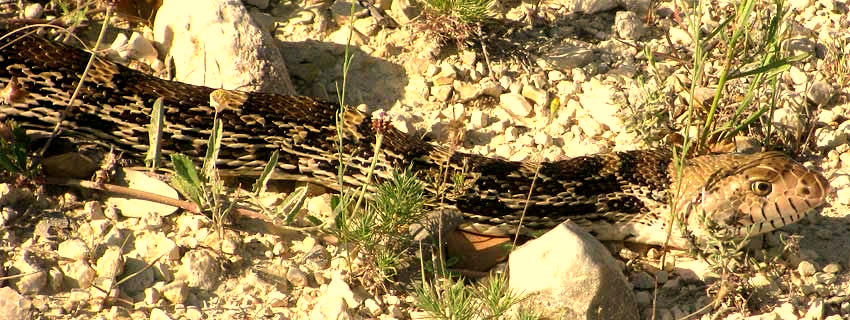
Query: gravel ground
[(62, 246)]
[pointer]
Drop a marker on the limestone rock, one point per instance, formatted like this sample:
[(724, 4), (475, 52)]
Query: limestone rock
[(567, 274), (13, 305), (220, 46)]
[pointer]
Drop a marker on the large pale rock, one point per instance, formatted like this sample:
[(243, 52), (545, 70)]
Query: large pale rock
[(13, 305), (568, 274), (218, 45)]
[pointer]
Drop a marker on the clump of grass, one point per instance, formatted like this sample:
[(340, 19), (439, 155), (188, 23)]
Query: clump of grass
[(445, 298), (14, 153), (455, 20), (465, 11), (380, 228), (748, 50)]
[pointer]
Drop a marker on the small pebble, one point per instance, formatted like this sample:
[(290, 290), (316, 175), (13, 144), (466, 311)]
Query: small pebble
[(643, 280), (806, 268)]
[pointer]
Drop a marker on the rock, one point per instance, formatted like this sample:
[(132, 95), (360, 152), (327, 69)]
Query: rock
[(158, 314), (788, 120), (330, 307), (176, 292), (11, 195), (816, 310), (341, 11), (832, 268), (643, 298), (694, 272), (539, 96), (797, 76), (820, 92), (78, 275), (628, 25), (806, 269), (151, 246), (441, 93), (139, 48), (142, 279), (152, 295), (93, 210), (368, 26), (490, 87), (515, 104), (199, 270), (564, 57), (132, 207), (478, 119), (220, 46), (581, 280), (799, 5), (447, 75), (585, 6), (34, 276), (13, 305), (317, 258), (600, 101), (372, 307), (297, 277), (260, 4), (643, 281), (417, 88), (7, 214), (348, 35), (33, 11), (466, 91), (680, 36), (55, 280), (786, 311), (73, 249), (337, 287), (830, 139), (150, 221), (404, 11)]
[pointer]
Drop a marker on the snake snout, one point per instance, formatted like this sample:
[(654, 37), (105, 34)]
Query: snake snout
[(763, 195), (795, 192)]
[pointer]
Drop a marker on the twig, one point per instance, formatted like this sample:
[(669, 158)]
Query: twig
[(185, 205)]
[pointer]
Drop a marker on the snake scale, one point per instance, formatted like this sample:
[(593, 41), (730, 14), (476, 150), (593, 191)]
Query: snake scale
[(615, 196)]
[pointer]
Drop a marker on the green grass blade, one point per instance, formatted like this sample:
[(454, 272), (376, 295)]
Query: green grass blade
[(293, 203), (771, 68), (186, 178), (155, 135), (263, 179), (213, 148)]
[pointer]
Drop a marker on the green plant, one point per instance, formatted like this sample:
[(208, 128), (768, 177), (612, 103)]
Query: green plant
[(466, 11), (14, 156), (204, 188), (380, 228), (445, 298)]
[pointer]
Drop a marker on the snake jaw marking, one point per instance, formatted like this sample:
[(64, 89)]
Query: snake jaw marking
[(616, 196), (735, 200)]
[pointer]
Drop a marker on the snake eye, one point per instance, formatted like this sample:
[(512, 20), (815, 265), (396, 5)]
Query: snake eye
[(761, 188)]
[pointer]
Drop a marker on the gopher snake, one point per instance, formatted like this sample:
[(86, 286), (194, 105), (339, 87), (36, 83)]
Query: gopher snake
[(622, 196)]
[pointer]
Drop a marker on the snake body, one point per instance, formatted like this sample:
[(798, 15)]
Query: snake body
[(616, 196)]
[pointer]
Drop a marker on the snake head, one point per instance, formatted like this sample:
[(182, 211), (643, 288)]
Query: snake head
[(757, 195)]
